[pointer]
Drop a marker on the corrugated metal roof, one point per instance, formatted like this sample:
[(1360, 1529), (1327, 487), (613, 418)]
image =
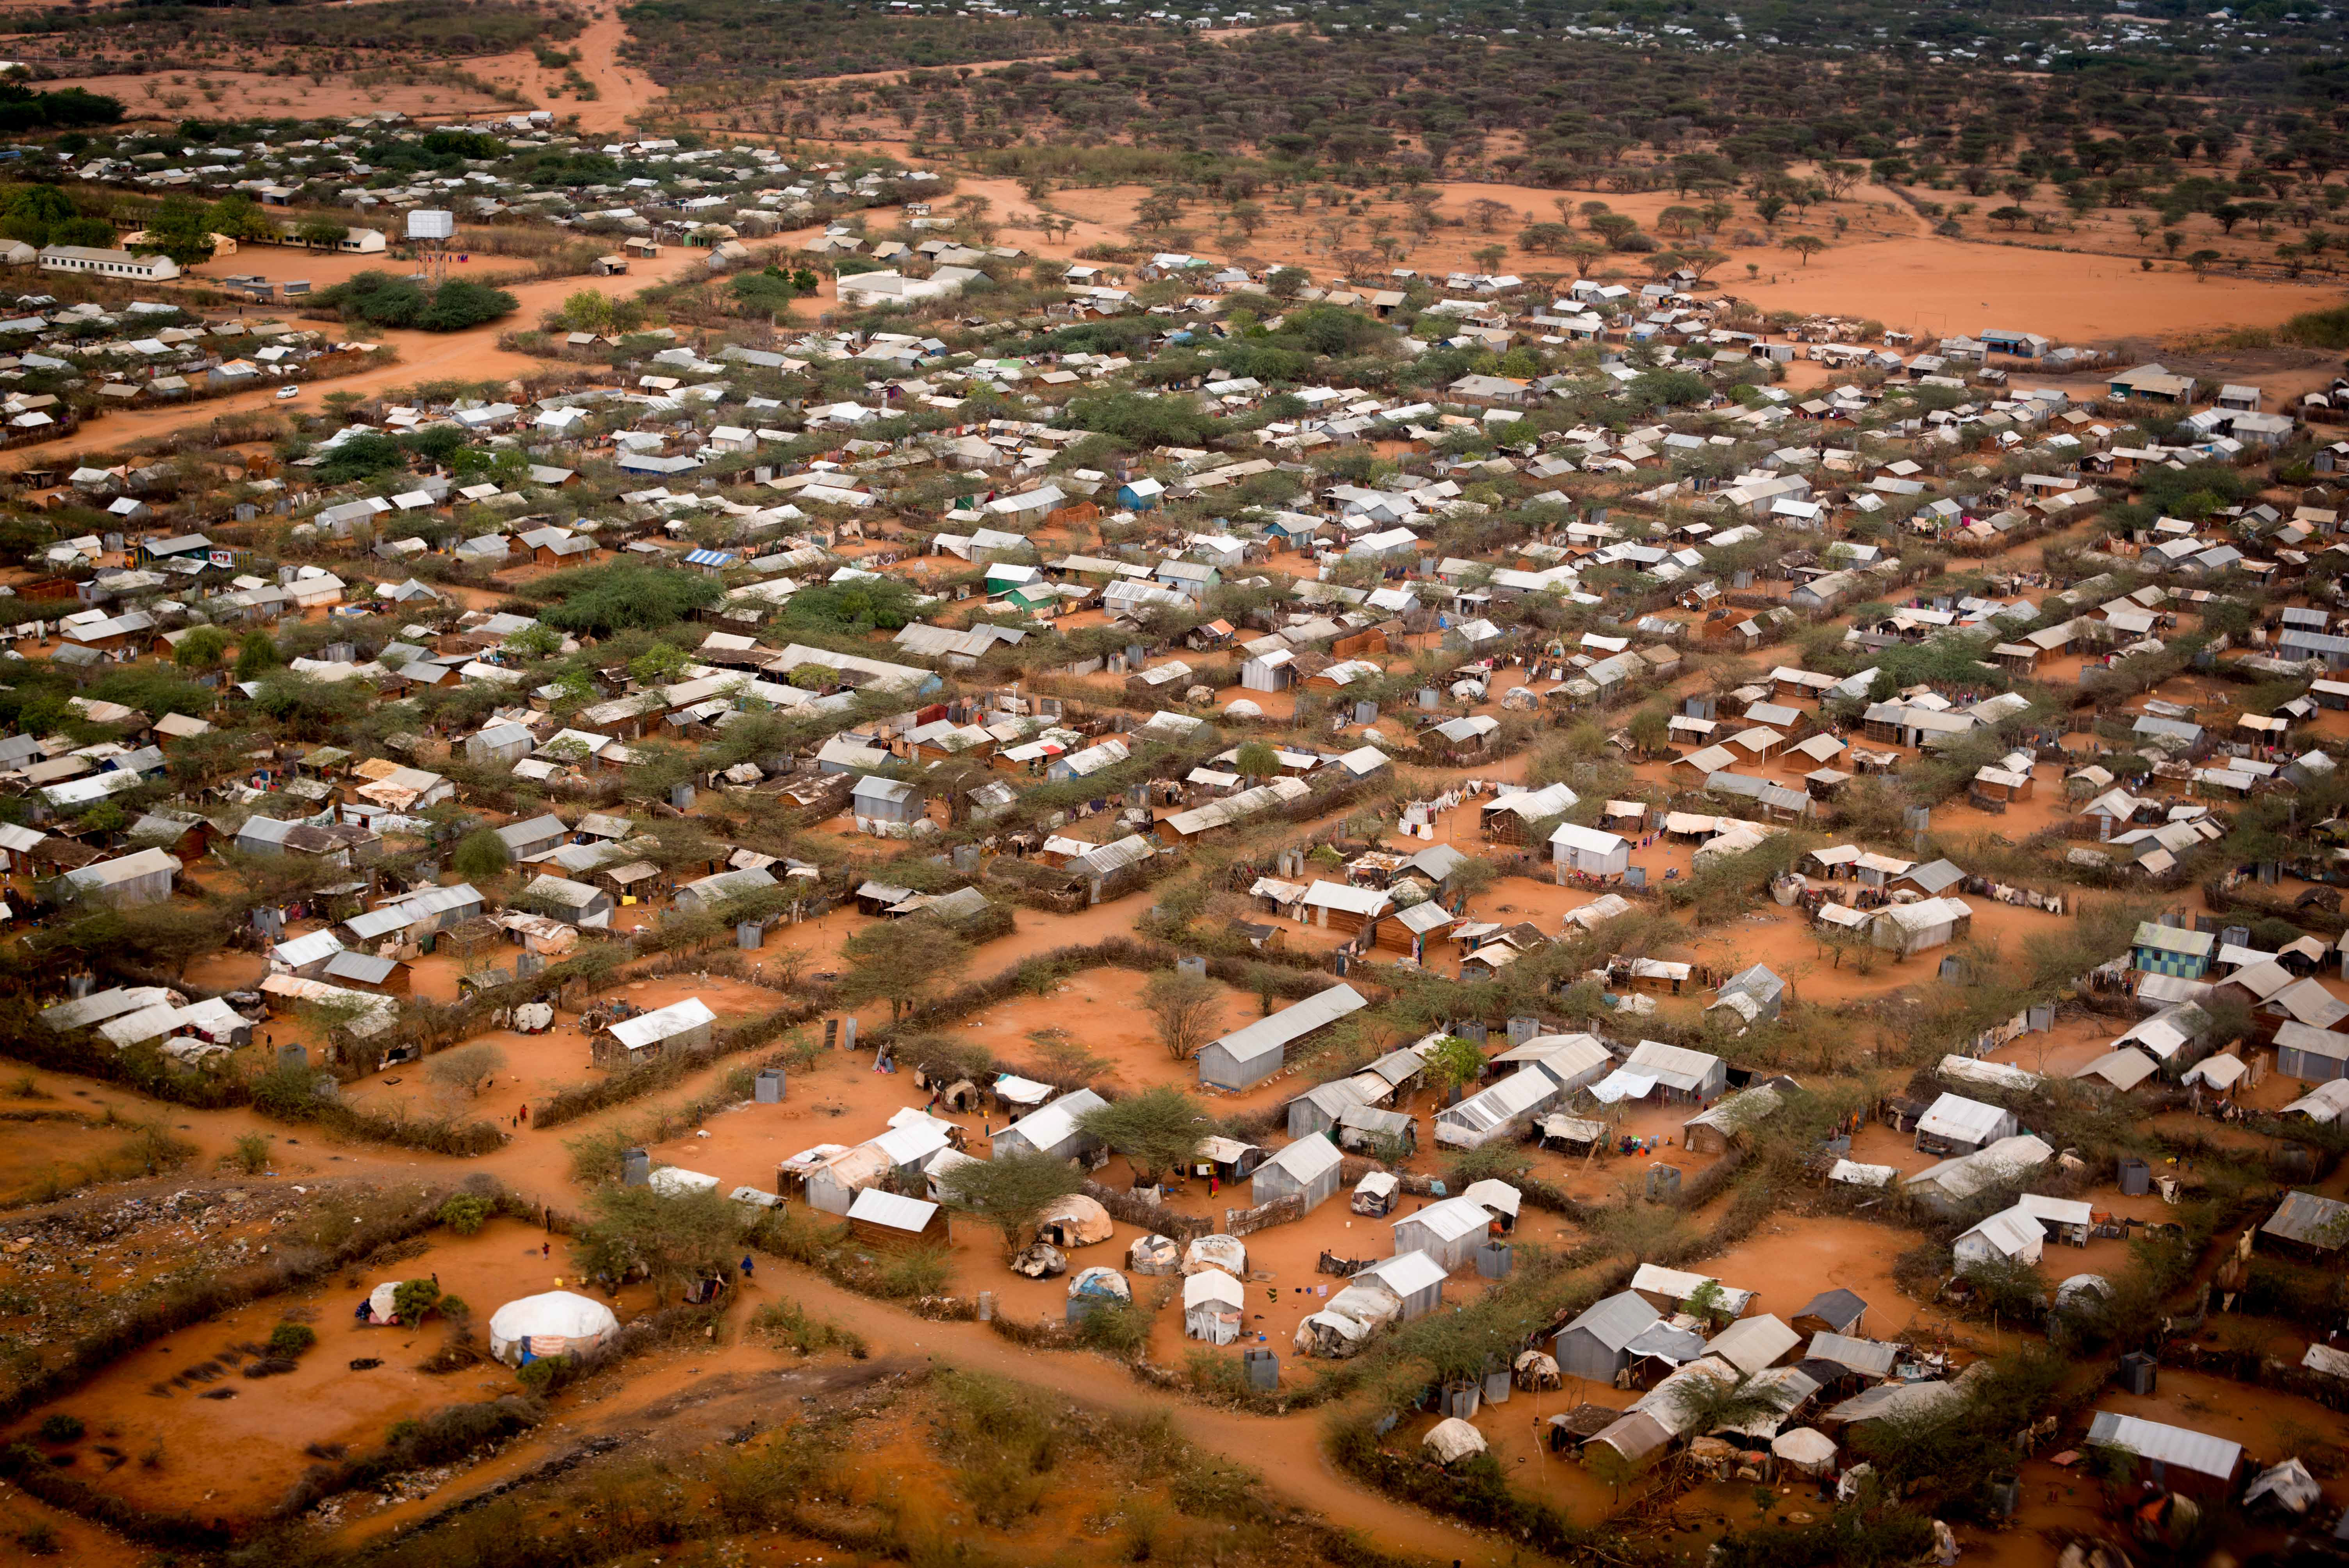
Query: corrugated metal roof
[(1292, 1022), (662, 1023), (1450, 1219), (2196, 1452), (1867, 1357), (893, 1209), (2011, 1233), (1405, 1274), (1304, 1160), (1616, 1321), (1954, 1116), (2310, 1220)]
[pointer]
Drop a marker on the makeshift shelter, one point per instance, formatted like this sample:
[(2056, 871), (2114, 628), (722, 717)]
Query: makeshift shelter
[(1225, 1252), (1075, 1220), (1452, 1440), (557, 1323), (2308, 1225), (1904, 929), (681, 1026), (1535, 1371), (1634, 1439), (1956, 1125), (1153, 1255), (1374, 1194), (2176, 1458), (1053, 1129), (2287, 1487), (1804, 1450), (1415, 1278), (1340, 1328), (1499, 1111), (1832, 1311), (1212, 1304), (2010, 1235)]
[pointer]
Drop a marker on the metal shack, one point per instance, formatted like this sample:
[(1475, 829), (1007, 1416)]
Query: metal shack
[(1251, 1055), (680, 1026), (1053, 1129), (1308, 1167), (1449, 1232), (1597, 1345)]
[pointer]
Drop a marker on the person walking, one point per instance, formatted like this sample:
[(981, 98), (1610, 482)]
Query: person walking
[(749, 1269)]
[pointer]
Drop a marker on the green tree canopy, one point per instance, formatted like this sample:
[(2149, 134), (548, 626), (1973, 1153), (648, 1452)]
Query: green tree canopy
[(1010, 1191)]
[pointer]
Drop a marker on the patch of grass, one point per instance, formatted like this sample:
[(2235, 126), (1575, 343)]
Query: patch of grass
[(921, 1271), (788, 1322)]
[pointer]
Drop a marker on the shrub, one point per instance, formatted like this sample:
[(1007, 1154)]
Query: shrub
[(466, 1214), (548, 1373), (289, 1340), (1122, 1328), (251, 1153), (923, 1271), (412, 1298), (790, 1323), (60, 1428), (381, 299)]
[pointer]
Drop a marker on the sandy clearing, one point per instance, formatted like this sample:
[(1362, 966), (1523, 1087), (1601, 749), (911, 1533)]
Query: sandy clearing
[(1889, 270), (624, 94), (271, 1421)]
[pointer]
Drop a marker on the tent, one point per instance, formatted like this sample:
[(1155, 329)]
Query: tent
[(1212, 1304), (380, 1310), (1806, 1450), (2082, 1293), (1224, 1253), (1076, 1221), (1452, 1439), (1535, 1370), (558, 1323)]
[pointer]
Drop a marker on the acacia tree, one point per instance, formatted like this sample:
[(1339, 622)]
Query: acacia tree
[(901, 962), (481, 855), (1805, 246), (202, 649), (1186, 1009), (1158, 1129), (1452, 1062), (467, 1068), (673, 1239), (1010, 1191), (1257, 760)]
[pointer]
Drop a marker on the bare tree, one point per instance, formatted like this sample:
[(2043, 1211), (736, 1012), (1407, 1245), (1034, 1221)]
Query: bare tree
[(469, 1068), (1186, 1009)]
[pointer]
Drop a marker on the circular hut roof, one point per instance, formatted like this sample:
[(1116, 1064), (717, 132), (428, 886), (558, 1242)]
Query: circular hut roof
[(1083, 1221), (1452, 1439)]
